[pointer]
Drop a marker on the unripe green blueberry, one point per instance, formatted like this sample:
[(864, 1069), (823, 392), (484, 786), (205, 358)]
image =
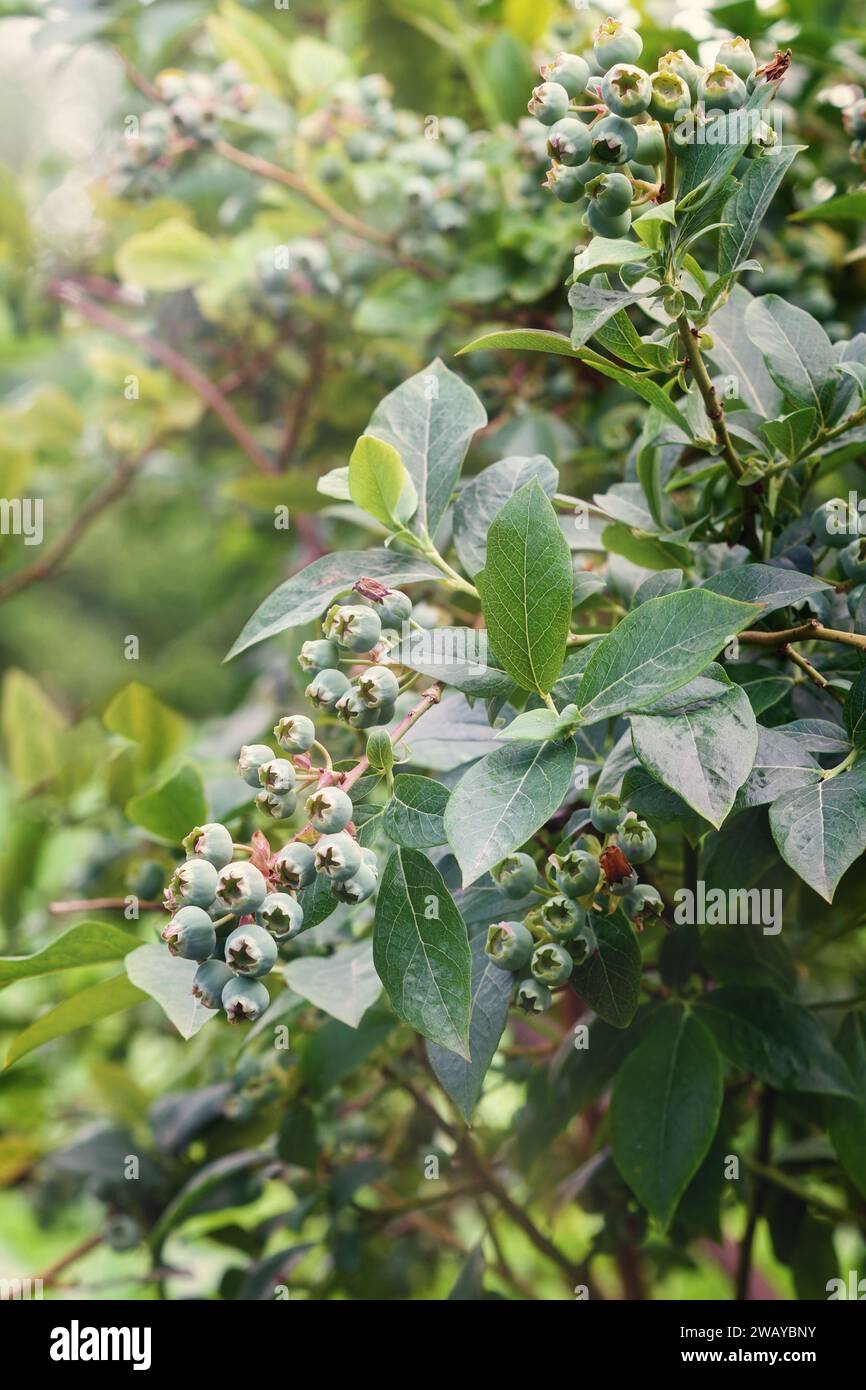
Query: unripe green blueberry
[(583, 944), (611, 193), (123, 1232), (378, 686), (353, 627), (509, 945), (561, 917), (329, 809), (244, 1000), (385, 712), (738, 56), (318, 655), (642, 900), (293, 867), (614, 42), (358, 888), (854, 597), (354, 712), (599, 222), (370, 858), (720, 89), (212, 842), (252, 755), (635, 839), (585, 173), (533, 996), (295, 733), (277, 805), (645, 172), (577, 873), (278, 776), (626, 90), (419, 192), (650, 143), (190, 934), (564, 183), (605, 811), (669, 96), (515, 874), (551, 963), (834, 523), (209, 982), (681, 65), (853, 561), (548, 103), (327, 688), (570, 71), (281, 915), (568, 141), (251, 951), (614, 140), (194, 883), (395, 608), (763, 138), (338, 857), (241, 888)]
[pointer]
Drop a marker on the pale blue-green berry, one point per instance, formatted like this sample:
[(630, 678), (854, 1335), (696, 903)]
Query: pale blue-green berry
[(395, 608), (548, 103), (190, 934), (358, 888), (278, 776), (318, 655), (509, 945), (250, 951), (568, 141), (577, 873), (570, 71), (738, 56), (353, 711), (385, 712), (244, 1000), (636, 840), (645, 172), (605, 811), (515, 874), (241, 888), (194, 883), (614, 42), (613, 140), (326, 688), (650, 143), (209, 982), (834, 523), (585, 173), (252, 755), (338, 857), (295, 733), (277, 805), (551, 963), (853, 561), (329, 810), (561, 917), (212, 842), (605, 224), (378, 686), (122, 1232), (612, 193), (854, 597), (370, 858), (583, 944), (564, 183), (533, 996), (294, 866), (643, 899), (679, 63), (720, 89), (626, 90), (669, 96), (353, 627), (281, 915)]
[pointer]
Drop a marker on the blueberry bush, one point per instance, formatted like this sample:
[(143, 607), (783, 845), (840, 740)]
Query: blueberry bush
[(487, 385)]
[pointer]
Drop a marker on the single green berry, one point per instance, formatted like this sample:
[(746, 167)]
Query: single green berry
[(720, 89), (354, 712), (681, 65), (570, 71), (370, 858), (277, 805), (561, 917), (645, 172), (194, 883), (123, 1232), (614, 42), (611, 193), (190, 934), (763, 138), (358, 888), (551, 963), (281, 915), (318, 656), (585, 173), (533, 997), (626, 90), (278, 776), (568, 141), (515, 875), (251, 951), (209, 982), (669, 97), (244, 1000), (329, 809), (650, 143), (338, 857), (834, 523), (252, 755), (395, 608), (599, 222), (583, 944), (294, 866), (564, 183), (642, 900), (509, 945), (241, 888), (386, 712), (212, 842), (614, 140), (853, 561), (295, 733), (378, 686), (738, 56), (353, 627), (636, 840), (548, 103), (605, 811), (326, 688), (577, 873)]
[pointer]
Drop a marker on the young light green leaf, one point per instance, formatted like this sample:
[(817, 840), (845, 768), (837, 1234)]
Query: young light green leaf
[(526, 587), (606, 253), (170, 810), (530, 726), (461, 1078), (343, 985), (522, 340), (820, 830), (79, 1011), (414, 817), (379, 484), (87, 943)]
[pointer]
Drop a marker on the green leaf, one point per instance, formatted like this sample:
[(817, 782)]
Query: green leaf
[(525, 589), (847, 207), (790, 433), (592, 306), (137, 714), (531, 726), (461, 1078), (700, 742), (657, 648), (193, 1193), (414, 817), (820, 830), (798, 354), (642, 386), (782, 764), (663, 809), (744, 212), (32, 729), (80, 1011), (168, 980), (737, 359), (430, 420), (765, 584), (403, 305), (503, 799), (782, 1043), (609, 982), (380, 750), (483, 498), (649, 552), (378, 482), (171, 256), (344, 985), (306, 595), (665, 1109), (847, 1124), (740, 954), (522, 340), (171, 810), (706, 163), (87, 943), (421, 950), (854, 711), (606, 253)]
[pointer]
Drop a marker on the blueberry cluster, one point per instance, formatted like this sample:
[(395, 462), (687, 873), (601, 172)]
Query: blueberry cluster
[(557, 935), (356, 630)]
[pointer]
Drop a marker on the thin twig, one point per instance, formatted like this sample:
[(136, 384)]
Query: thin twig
[(813, 674)]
